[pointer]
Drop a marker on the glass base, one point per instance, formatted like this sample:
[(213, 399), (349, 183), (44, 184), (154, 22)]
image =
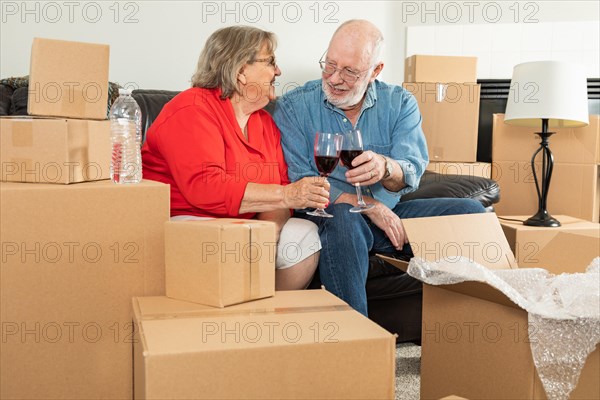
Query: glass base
[(359, 208), (319, 212)]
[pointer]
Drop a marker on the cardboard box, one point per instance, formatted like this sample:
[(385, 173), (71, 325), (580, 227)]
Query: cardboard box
[(574, 189), (220, 262), (72, 259), (54, 150), (552, 248), (517, 143), (443, 69), (304, 344), (475, 340), (450, 119), (68, 79), (476, 169)]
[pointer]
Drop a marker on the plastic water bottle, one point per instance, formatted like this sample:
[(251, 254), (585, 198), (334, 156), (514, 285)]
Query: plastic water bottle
[(126, 136)]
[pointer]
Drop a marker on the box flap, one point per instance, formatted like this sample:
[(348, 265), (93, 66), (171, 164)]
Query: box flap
[(476, 289), (570, 252), (288, 318), (478, 237)]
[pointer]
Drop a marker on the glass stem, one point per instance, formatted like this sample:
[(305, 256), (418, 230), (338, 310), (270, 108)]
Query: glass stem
[(361, 202)]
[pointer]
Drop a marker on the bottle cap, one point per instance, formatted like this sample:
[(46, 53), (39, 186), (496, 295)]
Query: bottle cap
[(123, 92)]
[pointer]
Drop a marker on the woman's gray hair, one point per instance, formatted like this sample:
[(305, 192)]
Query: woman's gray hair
[(225, 53)]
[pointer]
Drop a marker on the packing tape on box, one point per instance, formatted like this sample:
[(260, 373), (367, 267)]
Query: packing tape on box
[(22, 133), (440, 92), (253, 289), (562, 310), (228, 312)]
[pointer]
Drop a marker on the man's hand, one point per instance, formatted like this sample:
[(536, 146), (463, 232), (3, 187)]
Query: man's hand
[(389, 223), (369, 168)]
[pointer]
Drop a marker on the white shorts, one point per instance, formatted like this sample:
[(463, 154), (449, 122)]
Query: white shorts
[(298, 240)]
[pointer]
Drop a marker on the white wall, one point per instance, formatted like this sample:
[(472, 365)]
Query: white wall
[(500, 47), (155, 44)]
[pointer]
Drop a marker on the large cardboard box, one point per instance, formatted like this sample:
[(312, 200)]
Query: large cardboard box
[(450, 119), (220, 262), (54, 150), (475, 341), (297, 345), (443, 69), (72, 258), (575, 146), (574, 189), (576, 241), (476, 169), (68, 79)]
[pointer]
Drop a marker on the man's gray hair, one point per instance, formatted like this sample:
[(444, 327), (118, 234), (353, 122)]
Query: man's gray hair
[(225, 53)]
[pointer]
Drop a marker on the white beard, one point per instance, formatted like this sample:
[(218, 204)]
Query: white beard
[(353, 97)]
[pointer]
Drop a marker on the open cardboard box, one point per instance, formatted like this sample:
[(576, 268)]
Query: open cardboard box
[(475, 341)]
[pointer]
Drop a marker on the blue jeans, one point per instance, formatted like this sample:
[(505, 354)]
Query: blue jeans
[(348, 238)]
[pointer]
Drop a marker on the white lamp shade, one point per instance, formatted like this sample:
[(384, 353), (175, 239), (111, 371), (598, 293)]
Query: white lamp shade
[(554, 90)]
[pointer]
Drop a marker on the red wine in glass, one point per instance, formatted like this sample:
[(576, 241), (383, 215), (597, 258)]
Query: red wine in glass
[(326, 164), (327, 155), (346, 156), (352, 147)]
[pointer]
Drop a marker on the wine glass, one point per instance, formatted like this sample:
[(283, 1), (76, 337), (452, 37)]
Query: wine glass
[(352, 147), (327, 155)]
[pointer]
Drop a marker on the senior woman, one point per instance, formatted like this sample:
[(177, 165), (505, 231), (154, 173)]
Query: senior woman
[(221, 152)]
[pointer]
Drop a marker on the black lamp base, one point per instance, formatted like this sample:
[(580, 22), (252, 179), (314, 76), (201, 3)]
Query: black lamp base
[(542, 218)]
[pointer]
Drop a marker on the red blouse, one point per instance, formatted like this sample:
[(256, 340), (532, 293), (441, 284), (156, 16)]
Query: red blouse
[(196, 146)]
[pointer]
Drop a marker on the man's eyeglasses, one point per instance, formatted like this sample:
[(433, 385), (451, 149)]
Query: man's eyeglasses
[(270, 61), (347, 75)]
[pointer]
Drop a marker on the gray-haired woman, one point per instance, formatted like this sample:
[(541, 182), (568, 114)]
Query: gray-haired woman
[(221, 152)]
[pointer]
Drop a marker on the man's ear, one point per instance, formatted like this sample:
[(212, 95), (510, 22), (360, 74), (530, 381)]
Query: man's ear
[(376, 72)]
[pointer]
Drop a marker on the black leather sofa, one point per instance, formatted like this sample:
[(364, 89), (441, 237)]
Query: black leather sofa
[(394, 298)]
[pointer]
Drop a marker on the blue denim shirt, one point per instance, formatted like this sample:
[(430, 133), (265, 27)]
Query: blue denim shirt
[(389, 121)]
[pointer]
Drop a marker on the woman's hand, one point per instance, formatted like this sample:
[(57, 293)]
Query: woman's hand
[(389, 223), (309, 192)]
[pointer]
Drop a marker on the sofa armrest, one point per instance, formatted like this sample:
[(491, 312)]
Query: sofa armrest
[(433, 185)]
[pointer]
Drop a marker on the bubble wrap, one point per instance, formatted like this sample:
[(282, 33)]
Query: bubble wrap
[(564, 311)]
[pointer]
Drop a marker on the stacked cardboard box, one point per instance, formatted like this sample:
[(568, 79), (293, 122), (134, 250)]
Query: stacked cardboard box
[(574, 188), (73, 256), (68, 140), (448, 96), (475, 169), (223, 321), (220, 262), (475, 341)]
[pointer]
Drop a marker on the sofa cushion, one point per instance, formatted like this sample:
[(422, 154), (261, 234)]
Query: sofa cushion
[(434, 185)]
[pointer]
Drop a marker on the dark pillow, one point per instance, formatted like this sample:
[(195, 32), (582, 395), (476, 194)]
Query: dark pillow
[(18, 104), (6, 93)]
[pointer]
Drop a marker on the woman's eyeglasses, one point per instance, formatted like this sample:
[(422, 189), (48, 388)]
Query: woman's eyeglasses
[(270, 61)]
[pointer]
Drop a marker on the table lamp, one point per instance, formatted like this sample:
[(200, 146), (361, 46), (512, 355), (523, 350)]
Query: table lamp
[(552, 94)]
